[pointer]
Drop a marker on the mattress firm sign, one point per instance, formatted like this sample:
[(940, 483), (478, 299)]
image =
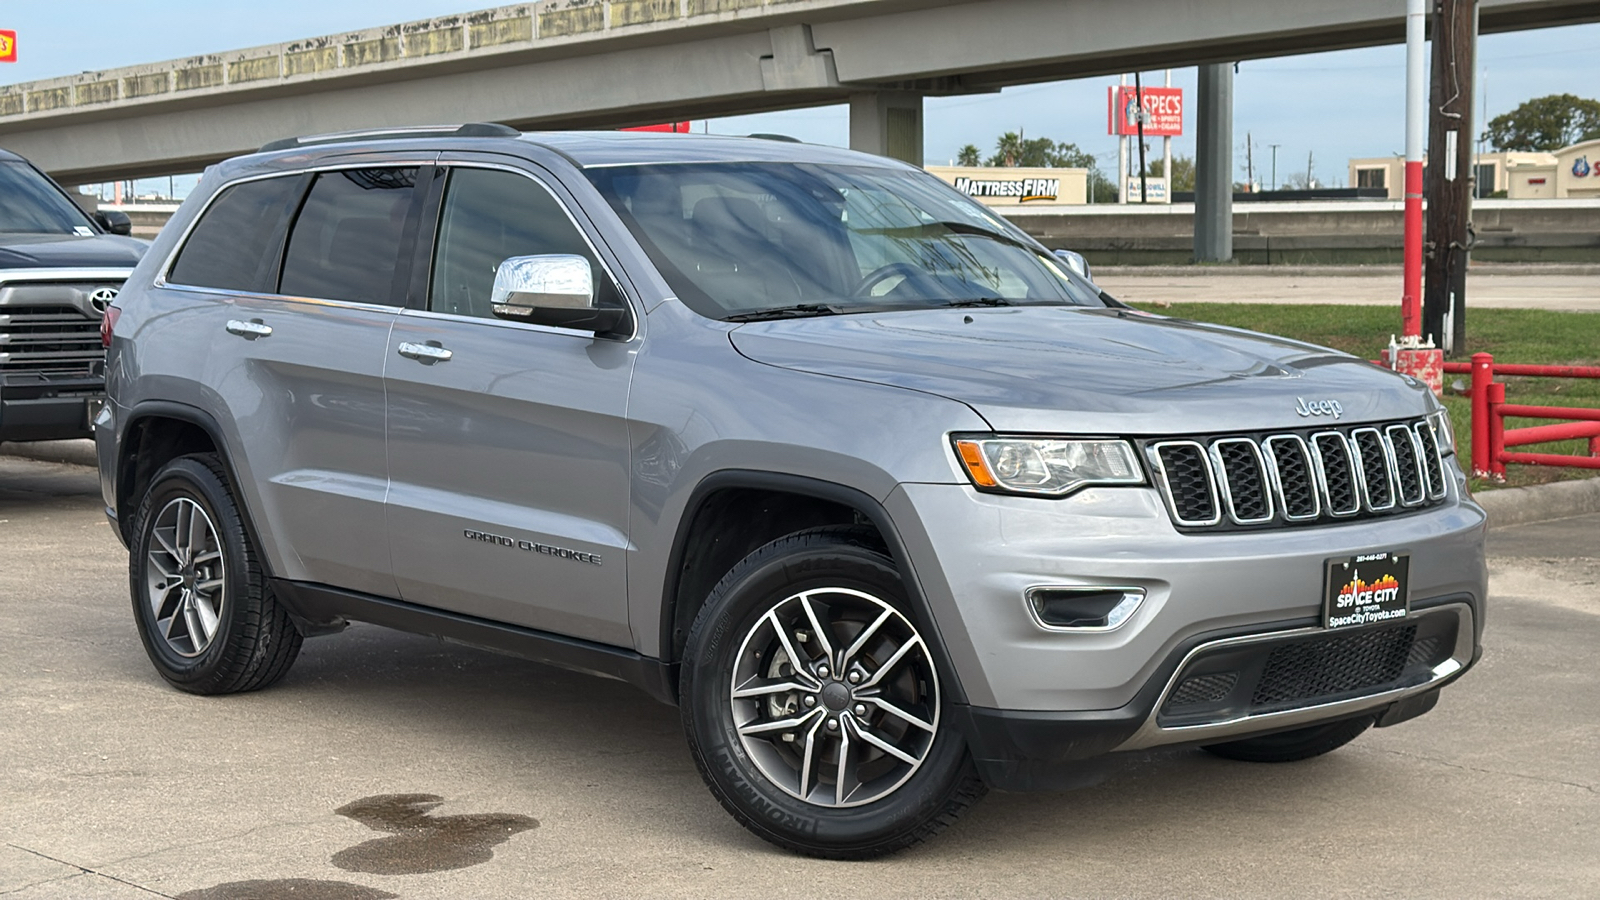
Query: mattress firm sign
[(1003, 186)]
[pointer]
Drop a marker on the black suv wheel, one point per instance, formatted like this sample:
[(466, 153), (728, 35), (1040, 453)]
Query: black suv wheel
[(812, 702), (205, 614)]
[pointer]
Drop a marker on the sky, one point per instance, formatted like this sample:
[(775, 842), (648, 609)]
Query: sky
[(1330, 106)]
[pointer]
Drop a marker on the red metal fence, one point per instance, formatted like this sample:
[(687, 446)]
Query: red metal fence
[(1490, 438)]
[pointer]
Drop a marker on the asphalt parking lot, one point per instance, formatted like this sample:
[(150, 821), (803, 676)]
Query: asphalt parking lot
[(388, 765)]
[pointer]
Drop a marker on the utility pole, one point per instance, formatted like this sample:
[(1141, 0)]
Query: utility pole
[(1274, 164), (1309, 158), (1249, 165), (1138, 98), (1166, 154), (1449, 185), (1122, 151)]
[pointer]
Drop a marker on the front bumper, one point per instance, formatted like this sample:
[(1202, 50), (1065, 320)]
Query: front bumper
[(48, 407), (1031, 694), (1021, 750)]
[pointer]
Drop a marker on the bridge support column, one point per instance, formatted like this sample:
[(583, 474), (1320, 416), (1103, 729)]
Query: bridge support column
[(1213, 165), (887, 123)]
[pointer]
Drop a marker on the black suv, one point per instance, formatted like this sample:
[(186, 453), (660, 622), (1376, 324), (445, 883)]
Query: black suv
[(60, 268)]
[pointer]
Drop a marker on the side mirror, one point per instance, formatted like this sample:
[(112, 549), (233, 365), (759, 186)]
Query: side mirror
[(551, 289), (1075, 262), (115, 221)]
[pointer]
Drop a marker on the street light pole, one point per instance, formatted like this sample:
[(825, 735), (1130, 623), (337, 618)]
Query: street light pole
[(1275, 164)]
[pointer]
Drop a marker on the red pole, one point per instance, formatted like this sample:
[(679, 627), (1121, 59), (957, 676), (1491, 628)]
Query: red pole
[(1416, 123), (1497, 429), (1411, 299), (1482, 377)]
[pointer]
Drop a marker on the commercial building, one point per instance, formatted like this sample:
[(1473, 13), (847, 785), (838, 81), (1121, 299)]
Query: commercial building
[(1571, 172), (1017, 186), (1567, 173), (1493, 171)]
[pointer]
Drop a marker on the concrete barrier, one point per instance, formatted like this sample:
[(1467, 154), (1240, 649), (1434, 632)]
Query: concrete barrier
[(1366, 232)]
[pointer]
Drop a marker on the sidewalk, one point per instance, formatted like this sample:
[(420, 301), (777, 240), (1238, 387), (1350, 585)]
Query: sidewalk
[(1568, 288)]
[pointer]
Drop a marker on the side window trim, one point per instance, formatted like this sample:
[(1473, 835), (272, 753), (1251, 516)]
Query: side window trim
[(426, 237), (396, 297), (273, 262), (418, 296), (422, 193), (298, 198)]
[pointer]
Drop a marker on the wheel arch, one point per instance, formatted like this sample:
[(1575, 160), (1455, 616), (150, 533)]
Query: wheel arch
[(686, 574), (154, 433)]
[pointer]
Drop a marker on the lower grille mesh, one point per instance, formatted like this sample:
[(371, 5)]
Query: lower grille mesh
[(1202, 689), (1334, 664)]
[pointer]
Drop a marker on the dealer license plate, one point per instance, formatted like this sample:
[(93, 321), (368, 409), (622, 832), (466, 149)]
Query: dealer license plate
[(1366, 589)]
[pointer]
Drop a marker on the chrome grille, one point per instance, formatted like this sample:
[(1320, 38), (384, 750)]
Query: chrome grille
[(1244, 483), (1191, 487), (50, 327), (1407, 464), (1294, 477), (1375, 468), (1338, 470), (1298, 478)]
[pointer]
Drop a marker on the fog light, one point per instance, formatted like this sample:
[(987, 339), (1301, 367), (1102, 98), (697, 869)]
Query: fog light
[(1095, 608)]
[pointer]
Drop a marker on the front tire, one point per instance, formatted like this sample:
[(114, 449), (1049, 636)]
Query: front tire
[(208, 621), (1293, 746), (813, 706)]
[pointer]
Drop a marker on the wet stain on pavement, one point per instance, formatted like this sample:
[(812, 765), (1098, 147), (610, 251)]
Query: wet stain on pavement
[(419, 842), (288, 889)]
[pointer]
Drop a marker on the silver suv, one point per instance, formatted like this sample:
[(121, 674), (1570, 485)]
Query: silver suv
[(891, 503)]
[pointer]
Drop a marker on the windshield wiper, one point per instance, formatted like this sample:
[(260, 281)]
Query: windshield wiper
[(980, 301), (980, 231), (786, 312)]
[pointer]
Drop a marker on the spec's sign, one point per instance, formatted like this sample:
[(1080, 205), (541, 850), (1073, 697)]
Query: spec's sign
[(670, 127), (1024, 190), (1163, 111), (8, 46)]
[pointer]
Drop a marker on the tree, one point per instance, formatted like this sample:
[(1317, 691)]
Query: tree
[(1012, 149), (1101, 188), (969, 155), (1546, 123), (1182, 172)]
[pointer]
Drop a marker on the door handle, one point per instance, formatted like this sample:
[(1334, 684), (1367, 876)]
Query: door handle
[(250, 330), (427, 354)]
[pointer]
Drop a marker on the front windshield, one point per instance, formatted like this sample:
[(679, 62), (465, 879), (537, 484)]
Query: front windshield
[(30, 204), (745, 239)]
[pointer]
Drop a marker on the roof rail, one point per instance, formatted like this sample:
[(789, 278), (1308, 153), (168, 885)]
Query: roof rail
[(471, 129)]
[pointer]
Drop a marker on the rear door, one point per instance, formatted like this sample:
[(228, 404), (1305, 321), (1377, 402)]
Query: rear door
[(297, 361), (508, 446)]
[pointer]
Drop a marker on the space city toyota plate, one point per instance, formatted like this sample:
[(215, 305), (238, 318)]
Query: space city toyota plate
[(1366, 589)]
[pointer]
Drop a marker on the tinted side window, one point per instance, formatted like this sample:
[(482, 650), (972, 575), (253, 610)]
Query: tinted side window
[(489, 216), (232, 244), (346, 242)]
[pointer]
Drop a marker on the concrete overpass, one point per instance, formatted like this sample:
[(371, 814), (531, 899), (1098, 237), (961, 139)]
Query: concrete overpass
[(610, 63)]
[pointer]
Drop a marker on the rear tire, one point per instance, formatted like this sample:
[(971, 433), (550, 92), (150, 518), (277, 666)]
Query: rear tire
[(207, 618), (1293, 746), (870, 765)]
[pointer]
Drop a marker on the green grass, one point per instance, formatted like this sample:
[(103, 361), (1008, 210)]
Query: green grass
[(1512, 335)]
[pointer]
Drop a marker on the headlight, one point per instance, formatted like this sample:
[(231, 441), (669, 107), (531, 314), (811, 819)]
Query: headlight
[(1047, 467), (1442, 432)]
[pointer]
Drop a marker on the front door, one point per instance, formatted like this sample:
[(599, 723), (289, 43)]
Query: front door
[(508, 444)]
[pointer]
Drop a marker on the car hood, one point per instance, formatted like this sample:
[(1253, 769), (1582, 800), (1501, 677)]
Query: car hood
[(1089, 371), (69, 251)]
